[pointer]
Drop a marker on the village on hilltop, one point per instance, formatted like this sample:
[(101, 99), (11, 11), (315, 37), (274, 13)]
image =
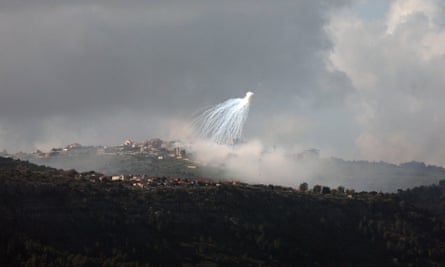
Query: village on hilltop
[(155, 148)]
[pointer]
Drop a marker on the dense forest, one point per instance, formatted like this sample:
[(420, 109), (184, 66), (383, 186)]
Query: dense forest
[(55, 217)]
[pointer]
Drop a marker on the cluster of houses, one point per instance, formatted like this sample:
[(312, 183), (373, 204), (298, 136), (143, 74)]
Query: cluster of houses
[(144, 181), (155, 148)]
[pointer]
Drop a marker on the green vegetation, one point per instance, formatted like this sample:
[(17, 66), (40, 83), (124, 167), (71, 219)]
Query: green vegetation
[(53, 217)]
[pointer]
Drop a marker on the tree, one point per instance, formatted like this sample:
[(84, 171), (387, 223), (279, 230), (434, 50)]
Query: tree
[(304, 187), (317, 189), (341, 189), (325, 190)]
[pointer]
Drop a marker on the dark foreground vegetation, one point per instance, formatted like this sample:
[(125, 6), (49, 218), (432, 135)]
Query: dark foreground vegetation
[(52, 217)]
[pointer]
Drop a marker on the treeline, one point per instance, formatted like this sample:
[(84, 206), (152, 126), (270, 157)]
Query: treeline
[(61, 218), (430, 197), (374, 176)]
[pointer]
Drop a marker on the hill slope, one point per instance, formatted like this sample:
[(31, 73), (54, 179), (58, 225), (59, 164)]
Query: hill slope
[(62, 218)]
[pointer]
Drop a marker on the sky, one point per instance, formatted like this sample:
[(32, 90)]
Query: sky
[(356, 79)]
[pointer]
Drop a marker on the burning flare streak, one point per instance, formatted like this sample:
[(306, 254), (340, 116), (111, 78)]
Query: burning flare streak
[(223, 123)]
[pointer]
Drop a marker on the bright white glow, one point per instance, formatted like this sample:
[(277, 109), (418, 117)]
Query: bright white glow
[(223, 123)]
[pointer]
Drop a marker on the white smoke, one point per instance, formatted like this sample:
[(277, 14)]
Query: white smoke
[(253, 162), (223, 123)]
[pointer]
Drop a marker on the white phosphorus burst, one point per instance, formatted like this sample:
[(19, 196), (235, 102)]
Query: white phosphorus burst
[(223, 123)]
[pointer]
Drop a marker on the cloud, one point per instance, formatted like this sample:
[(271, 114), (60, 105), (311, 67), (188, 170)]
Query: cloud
[(89, 63), (324, 76), (394, 65), (402, 12)]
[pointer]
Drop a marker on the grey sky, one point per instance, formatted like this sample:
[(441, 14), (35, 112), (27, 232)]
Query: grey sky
[(98, 72)]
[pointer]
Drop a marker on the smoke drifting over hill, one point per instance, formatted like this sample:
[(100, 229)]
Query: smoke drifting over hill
[(253, 163)]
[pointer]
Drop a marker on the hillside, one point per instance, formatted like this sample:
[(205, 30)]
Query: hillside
[(155, 157), (65, 218), (376, 176), (171, 159)]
